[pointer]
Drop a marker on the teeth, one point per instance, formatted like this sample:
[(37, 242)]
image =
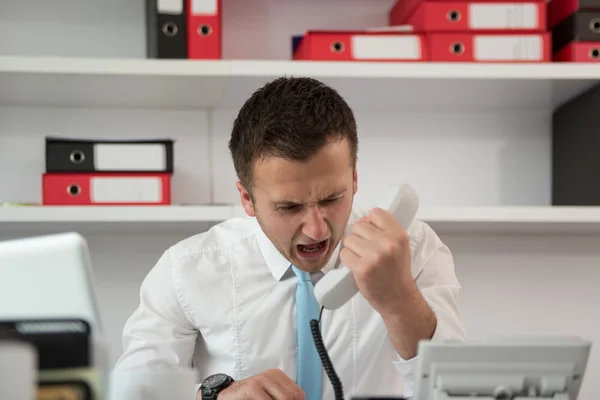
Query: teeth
[(319, 247)]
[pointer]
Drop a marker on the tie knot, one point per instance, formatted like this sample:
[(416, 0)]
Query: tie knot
[(302, 275)]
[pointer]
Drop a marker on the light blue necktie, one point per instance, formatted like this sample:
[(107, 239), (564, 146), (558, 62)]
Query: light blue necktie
[(309, 363)]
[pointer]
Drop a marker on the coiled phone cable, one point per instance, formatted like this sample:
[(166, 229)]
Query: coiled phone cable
[(327, 364)]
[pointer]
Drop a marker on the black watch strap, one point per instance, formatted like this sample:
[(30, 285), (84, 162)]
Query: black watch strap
[(213, 385)]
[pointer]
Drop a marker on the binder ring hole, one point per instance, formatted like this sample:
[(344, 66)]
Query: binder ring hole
[(205, 30), (170, 29), (453, 16), (595, 53), (595, 25), (77, 157), (74, 190), (457, 48), (337, 47)]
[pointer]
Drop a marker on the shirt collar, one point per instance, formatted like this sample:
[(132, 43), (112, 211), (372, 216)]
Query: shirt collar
[(279, 265)]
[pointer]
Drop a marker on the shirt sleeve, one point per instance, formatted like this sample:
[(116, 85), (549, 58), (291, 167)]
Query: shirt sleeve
[(159, 331), (433, 269)]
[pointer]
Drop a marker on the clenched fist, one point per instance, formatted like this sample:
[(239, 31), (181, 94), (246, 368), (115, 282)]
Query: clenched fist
[(378, 253)]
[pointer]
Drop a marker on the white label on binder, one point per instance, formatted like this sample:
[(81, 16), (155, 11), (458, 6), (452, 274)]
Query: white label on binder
[(206, 7), (380, 47), (508, 47), (130, 157), (125, 190), (503, 16), (169, 6)]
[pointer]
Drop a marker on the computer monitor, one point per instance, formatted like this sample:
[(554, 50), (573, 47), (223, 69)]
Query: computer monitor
[(502, 368), (48, 277)]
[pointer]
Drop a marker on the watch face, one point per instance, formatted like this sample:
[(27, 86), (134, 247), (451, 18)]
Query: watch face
[(214, 381)]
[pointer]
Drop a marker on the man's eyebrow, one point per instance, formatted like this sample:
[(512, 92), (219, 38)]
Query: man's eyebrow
[(285, 203), (288, 203)]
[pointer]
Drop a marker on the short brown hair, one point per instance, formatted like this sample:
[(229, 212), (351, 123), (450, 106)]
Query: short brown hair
[(291, 118)]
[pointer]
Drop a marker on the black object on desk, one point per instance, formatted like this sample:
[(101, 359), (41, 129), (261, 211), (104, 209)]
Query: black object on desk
[(60, 343)]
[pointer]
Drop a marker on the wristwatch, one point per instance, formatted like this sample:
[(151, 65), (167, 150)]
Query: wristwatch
[(213, 385)]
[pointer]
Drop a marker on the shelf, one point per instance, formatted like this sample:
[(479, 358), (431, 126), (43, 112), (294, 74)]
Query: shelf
[(97, 219), (528, 219), (189, 84), (188, 220)]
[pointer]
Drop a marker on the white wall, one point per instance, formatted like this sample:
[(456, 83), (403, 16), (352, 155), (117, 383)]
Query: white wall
[(512, 284)]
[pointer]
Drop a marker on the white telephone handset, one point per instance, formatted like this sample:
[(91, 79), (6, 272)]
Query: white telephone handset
[(338, 285)]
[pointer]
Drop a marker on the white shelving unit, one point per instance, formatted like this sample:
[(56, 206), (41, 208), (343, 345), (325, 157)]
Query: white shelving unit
[(474, 140), (108, 83)]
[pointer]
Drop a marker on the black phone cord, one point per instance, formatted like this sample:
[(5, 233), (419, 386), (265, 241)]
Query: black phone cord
[(327, 364)]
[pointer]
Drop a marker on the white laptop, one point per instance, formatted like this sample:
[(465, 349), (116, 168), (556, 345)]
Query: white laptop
[(48, 277), (549, 368)]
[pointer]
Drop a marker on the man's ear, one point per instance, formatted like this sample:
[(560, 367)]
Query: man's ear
[(355, 176), (245, 199)]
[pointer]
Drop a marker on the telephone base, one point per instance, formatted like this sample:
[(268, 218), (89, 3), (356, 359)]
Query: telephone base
[(501, 368), (510, 381), (439, 395)]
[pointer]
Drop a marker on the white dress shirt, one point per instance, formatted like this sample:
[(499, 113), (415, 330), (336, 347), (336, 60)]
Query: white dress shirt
[(225, 299)]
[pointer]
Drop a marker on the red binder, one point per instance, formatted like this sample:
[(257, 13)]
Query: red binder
[(204, 29), (489, 47), (361, 46), (106, 189), (452, 16), (579, 52)]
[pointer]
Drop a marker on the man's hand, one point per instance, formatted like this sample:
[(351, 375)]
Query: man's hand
[(271, 384), (378, 253)]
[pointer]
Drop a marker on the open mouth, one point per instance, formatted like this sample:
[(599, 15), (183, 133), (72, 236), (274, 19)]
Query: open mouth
[(312, 250)]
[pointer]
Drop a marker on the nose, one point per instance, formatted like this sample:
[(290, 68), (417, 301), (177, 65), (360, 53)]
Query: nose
[(315, 226)]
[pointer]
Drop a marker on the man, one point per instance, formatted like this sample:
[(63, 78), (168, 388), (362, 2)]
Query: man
[(225, 300)]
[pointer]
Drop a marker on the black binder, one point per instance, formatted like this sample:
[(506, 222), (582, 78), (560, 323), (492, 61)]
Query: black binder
[(166, 28), (581, 26), (575, 150), (84, 155)]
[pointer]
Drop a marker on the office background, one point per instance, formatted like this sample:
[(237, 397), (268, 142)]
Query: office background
[(472, 159)]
